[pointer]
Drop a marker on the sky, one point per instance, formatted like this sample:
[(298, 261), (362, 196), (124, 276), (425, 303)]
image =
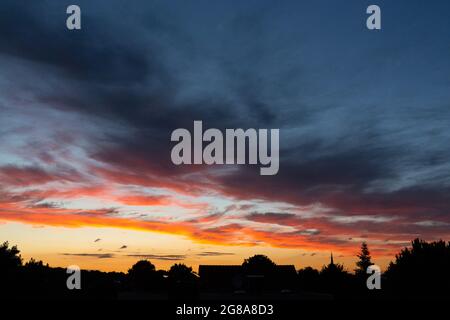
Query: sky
[(86, 117)]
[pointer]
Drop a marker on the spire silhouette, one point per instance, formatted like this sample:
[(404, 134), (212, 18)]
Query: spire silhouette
[(331, 259)]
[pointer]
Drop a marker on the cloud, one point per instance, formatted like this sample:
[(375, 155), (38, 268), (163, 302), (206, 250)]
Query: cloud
[(305, 235), (169, 257), (214, 254), (93, 255), (431, 224), (123, 247), (101, 122), (26, 176), (97, 240)]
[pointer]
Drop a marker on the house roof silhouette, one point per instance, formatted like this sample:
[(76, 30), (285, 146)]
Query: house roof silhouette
[(234, 277)]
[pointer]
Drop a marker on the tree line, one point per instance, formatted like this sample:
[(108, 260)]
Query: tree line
[(419, 271)]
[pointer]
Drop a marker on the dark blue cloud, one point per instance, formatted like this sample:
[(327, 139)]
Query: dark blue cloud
[(364, 115)]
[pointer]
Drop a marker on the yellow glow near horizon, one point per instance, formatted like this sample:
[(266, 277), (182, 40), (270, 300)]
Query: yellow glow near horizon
[(50, 244)]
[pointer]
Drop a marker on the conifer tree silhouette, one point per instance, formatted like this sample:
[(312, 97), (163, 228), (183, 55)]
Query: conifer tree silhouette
[(365, 260)]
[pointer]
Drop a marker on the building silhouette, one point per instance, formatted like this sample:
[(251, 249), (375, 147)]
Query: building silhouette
[(234, 278)]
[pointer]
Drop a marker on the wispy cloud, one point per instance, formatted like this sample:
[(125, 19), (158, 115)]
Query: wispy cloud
[(214, 254), (93, 255), (168, 257)]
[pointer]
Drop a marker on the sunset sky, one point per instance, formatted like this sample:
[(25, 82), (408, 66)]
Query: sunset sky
[(86, 117)]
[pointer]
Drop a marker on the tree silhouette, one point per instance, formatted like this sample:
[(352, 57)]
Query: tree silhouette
[(35, 266), (10, 259), (332, 268), (179, 272), (142, 275), (309, 279), (183, 282), (142, 266), (261, 273), (10, 268), (365, 260), (422, 270), (336, 280), (258, 264)]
